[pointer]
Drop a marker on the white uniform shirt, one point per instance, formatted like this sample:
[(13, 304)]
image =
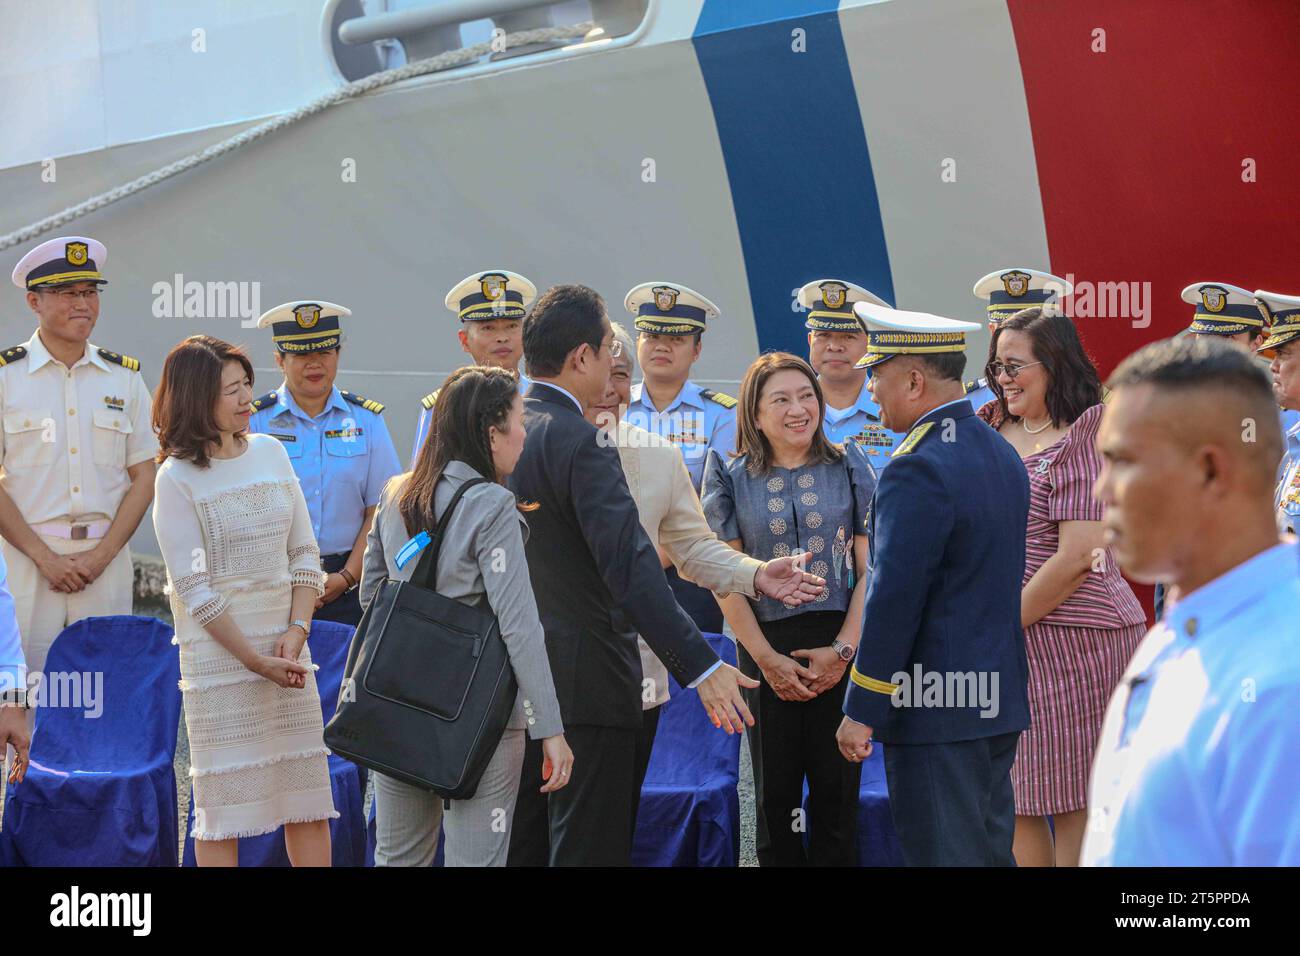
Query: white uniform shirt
[(70, 434)]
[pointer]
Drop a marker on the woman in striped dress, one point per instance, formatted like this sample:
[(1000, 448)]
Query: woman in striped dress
[(1081, 619)]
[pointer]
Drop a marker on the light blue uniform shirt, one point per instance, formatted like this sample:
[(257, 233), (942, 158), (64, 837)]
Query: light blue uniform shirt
[(692, 422), (1291, 440), (1199, 758), (342, 458), (1287, 498), (981, 394), (13, 665), (860, 424), (426, 419)]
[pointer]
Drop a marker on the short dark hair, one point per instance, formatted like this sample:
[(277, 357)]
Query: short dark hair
[(946, 365), (1073, 385), (185, 403), (1191, 365), (1188, 362), (565, 317)]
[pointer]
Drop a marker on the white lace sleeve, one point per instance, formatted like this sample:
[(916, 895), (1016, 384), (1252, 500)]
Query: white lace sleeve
[(180, 537)]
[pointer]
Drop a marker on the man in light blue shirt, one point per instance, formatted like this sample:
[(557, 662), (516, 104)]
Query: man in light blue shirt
[(490, 306), (1199, 759), (836, 341), (336, 440)]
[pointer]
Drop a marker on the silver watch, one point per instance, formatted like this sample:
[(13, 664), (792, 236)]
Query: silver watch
[(305, 625), (846, 651)]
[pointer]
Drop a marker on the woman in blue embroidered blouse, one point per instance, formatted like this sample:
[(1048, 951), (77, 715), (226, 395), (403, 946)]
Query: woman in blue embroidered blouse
[(789, 490)]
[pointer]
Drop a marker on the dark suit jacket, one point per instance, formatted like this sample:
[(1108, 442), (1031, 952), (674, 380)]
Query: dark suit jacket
[(947, 530), (596, 576)]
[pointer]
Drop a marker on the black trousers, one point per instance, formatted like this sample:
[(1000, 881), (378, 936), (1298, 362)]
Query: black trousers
[(791, 740), (645, 742), (952, 803), (588, 823), (346, 608)]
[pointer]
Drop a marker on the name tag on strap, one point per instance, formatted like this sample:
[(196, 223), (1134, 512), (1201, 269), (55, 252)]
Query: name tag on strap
[(413, 547)]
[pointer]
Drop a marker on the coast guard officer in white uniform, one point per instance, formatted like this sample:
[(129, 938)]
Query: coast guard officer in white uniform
[(77, 452)]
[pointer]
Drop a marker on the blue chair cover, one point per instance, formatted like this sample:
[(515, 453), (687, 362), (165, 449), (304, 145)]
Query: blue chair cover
[(101, 789), (690, 810), (329, 651)]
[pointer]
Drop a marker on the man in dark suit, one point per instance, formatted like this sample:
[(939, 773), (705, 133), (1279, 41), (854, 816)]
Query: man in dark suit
[(941, 675), (598, 582)]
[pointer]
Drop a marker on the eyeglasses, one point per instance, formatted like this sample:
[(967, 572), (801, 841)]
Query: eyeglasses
[(71, 295), (615, 348), (995, 369)]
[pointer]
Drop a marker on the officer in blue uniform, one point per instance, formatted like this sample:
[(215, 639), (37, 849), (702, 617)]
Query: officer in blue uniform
[(670, 323), (337, 441), (940, 674), (491, 306), (1282, 347), (1006, 292), (836, 341)]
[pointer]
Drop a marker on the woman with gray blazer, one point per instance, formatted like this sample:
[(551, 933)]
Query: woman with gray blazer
[(477, 432)]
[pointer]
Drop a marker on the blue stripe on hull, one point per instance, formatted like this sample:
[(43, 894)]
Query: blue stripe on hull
[(796, 155)]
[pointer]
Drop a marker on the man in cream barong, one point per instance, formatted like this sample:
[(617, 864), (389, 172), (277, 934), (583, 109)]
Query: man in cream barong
[(671, 515)]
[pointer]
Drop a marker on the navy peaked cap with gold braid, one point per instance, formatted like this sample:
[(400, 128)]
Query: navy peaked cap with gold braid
[(494, 294), (302, 326), (669, 308), (1222, 309), (1007, 291), (830, 304), (1283, 315), (893, 332), (57, 262)]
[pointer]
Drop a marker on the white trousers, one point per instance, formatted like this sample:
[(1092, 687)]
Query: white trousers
[(43, 613)]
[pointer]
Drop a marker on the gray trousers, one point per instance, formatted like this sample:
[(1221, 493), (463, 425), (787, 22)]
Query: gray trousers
[(478, 830)]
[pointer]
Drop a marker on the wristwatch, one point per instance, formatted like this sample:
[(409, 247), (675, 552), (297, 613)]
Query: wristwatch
[(305, 625), (352, 582), (16, 696), (846, 651)]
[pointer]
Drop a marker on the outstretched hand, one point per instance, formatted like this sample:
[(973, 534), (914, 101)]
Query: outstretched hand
[(786, 580)]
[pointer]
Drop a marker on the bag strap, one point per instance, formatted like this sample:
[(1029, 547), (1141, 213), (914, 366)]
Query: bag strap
[(426, 572)]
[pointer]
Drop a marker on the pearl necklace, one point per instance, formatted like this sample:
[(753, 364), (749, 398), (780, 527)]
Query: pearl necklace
[(1034, 431)]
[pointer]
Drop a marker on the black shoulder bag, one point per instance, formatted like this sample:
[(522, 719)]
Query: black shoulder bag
[(428, 688)]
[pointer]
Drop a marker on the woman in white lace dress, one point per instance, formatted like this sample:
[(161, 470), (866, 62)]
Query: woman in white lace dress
[(243, 571)]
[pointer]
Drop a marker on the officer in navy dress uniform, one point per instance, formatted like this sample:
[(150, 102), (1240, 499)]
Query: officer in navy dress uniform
[(336, 440), (941, 675), (1282, 346), (491, 307), (670, 323), (836, 341), (1006, 292), (76, 453)]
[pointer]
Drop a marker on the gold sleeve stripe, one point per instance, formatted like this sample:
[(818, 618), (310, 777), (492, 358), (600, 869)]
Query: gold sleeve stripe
[(870, 683)]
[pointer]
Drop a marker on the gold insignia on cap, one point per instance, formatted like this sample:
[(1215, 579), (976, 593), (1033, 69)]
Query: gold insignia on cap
[(665, 297), (307, 315), (1214, 298), (77, 253), (493, 285), (833, 294), (1016, 283)]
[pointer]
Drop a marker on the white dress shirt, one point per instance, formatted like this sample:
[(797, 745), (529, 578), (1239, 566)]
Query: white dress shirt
[(69, 434)]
